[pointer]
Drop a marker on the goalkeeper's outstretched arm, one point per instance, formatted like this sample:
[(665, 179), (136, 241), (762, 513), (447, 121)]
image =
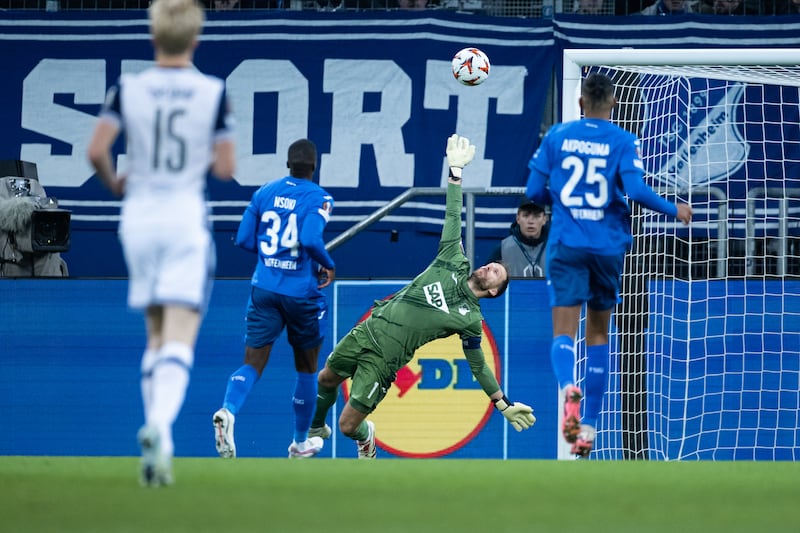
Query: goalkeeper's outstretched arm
[(459, 153), (519, 415)]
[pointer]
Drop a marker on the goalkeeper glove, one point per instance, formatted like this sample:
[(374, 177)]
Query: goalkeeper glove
[(459, 151), (518, 414)]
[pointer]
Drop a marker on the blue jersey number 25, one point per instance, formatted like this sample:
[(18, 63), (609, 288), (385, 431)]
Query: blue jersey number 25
[(588, 173)]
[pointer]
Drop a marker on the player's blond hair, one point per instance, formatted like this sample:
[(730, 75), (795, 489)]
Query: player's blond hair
[(175, 24)]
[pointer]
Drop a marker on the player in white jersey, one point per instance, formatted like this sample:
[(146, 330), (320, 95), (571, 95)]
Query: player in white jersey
[(177, 126)]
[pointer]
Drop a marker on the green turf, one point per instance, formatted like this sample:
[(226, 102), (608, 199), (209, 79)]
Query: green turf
[(85, 494)]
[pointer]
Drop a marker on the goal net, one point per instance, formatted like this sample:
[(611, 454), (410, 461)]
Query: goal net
[(705, 360)]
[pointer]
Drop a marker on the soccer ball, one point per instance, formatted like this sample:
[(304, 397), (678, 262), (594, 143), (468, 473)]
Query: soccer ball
[(470, 66)]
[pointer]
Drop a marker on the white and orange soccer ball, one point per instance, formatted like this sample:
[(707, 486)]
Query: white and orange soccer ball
[(471, 66)]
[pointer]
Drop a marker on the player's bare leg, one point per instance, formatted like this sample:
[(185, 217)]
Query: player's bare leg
[(353, 423)]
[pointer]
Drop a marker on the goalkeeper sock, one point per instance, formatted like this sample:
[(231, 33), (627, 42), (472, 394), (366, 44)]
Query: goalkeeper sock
[(562, 357), (325, 399), (361, 432), (595, 384), (239, 386), (304, 401)]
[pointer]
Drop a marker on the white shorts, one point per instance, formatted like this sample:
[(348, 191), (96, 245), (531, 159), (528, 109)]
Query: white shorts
[(168, 266)]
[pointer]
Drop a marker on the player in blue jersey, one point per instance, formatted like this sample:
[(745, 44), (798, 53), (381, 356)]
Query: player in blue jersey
[(177, 127), (284, 224), (585, 168)]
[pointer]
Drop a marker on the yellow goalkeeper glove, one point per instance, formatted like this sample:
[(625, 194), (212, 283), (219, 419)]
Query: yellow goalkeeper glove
[(459, 151), (518, 414)]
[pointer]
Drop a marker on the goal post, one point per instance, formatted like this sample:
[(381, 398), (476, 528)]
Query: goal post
[(705, 343), (758, 65)]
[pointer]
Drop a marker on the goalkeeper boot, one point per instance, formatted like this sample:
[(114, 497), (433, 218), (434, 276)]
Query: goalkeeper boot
[(308, 448), (366, 448), (156, 470), (323, 432), (223, 433), (585, 441), (571, 422)]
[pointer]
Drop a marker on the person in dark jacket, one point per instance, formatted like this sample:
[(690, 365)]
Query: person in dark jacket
[(523, 251)]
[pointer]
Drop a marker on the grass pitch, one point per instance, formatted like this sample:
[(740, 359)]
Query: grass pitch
[(88, 494)]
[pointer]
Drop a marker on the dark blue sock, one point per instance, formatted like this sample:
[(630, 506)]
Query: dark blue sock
[(562, 357), (239, 386), (595, 385), (304, 401)]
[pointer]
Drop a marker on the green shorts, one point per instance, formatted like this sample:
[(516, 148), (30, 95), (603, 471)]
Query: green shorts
[(355, 357)]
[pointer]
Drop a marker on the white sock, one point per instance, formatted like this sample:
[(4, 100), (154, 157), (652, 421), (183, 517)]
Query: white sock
[(170, 379), (148, 360)]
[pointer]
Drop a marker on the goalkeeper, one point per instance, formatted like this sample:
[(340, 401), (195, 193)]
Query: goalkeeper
[(442, 301)]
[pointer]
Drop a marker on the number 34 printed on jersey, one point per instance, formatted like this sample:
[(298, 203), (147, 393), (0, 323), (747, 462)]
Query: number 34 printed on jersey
[(280, 233)]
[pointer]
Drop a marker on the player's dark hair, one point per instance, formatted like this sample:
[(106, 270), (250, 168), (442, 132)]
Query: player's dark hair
[(597, 91), (302, 158)]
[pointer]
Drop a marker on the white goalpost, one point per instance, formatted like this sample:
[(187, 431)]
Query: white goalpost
[(705, 354)]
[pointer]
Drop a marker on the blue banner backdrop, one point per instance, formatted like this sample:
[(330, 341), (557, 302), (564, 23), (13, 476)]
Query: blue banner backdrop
[(372, 89)]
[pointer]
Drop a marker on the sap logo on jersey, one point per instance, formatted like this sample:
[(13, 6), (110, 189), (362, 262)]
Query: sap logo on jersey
[(434, 294), (435, 406)]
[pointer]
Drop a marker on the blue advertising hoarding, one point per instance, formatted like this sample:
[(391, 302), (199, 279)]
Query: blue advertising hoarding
[(723, 370), (71, 346), (723, 387)]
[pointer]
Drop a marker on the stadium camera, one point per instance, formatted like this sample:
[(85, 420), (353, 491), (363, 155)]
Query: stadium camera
[(50, 230), (26, 211)]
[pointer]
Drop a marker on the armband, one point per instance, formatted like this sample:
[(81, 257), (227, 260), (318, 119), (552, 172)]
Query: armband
[(471, 343)]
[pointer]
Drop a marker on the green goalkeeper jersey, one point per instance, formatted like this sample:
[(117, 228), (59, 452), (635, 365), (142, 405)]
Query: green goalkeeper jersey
[(437, 304)]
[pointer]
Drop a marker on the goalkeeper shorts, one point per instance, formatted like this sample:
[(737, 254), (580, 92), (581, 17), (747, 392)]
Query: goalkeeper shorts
[(355, 357)]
